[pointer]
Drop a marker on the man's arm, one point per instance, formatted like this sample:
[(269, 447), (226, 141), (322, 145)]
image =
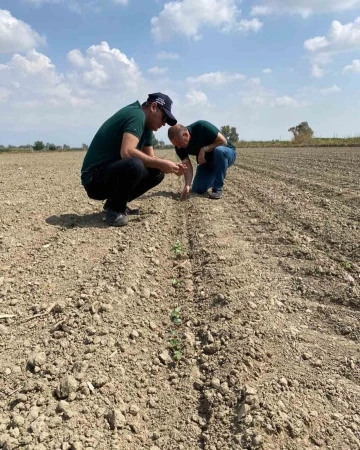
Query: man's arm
[(129, 150), (149, 150), (220, 140), (188, 177)]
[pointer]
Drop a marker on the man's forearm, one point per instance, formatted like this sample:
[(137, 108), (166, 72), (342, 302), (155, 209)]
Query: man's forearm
[(212, 147), (188, 176), (149, 161)]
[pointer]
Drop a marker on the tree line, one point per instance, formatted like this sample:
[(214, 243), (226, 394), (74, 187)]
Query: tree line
[(302, 134)]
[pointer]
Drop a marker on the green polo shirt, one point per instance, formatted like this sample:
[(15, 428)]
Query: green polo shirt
[(106, 145), (202, 133)]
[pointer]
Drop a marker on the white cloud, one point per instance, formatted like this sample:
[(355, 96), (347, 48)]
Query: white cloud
[(16, 35), (197, 98), (302, 7), (33, 63), (287, 101), (121, 2), (250, 25), (76, 58), (316, 44), (255, 95), (331, 90), (46, 102), (316, 71), (353, 67), (167, 55), (158, 70), (340, 38), (267, 70), (186, 17), (103, 67), (216, 78), (32, 79)]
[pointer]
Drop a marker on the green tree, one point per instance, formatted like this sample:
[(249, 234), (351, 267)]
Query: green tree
[(66, 147), (230, 133), (52, 147), (38, 145), (155, 142), (85, 147), (302, 133)]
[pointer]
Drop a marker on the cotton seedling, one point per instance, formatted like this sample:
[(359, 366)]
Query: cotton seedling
[(176, 347), (176, 315), (175, 282), (178, 249)]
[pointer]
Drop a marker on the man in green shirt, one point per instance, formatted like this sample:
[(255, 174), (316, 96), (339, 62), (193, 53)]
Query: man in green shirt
[(120, 164), (214, 155)]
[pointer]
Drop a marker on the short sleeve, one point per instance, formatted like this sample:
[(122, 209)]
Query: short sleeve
[(134, 123)]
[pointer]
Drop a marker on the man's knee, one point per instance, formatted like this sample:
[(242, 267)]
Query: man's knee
[(137, 167), (219, 152)]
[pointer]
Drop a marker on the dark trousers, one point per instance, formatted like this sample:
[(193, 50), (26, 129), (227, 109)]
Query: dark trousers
[(122, 181)]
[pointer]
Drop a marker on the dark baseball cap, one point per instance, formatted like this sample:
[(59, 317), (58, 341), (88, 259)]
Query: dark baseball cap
[(165, 102)]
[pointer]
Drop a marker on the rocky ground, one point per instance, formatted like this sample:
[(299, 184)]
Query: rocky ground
[(215, 325)]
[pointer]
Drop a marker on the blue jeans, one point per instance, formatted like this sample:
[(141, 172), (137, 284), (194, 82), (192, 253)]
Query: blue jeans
[(213, 174)]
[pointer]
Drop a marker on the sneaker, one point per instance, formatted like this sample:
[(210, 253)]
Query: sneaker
[(115, 219), (216, 194), (128, 211), (132, 211)]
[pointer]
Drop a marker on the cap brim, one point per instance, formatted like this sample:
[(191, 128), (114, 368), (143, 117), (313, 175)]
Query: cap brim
[(170, 118)]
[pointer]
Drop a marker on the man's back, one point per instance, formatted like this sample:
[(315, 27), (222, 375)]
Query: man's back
[(106, 144)]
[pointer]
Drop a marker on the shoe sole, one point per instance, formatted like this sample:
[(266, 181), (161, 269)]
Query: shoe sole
[(116, 224)]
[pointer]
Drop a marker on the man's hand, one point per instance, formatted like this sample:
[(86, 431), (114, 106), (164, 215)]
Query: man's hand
[(182, 169), (167, 166), (185, 193), (201, 157)]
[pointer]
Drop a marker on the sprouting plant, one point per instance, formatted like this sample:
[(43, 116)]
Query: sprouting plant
[(347, 265), (176, 282), (176, 347), (176, 315), (178, 248)]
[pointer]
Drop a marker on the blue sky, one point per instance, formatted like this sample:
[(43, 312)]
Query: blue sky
[(259, 65)]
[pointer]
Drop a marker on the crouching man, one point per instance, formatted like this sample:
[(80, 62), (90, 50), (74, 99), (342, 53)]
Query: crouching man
[(120, 164), (214, 155)]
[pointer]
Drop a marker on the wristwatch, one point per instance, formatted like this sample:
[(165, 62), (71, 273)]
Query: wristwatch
[(206, 148)]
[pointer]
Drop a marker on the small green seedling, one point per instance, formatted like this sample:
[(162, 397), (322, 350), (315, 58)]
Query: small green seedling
[(176, 315), (175, 282), (347, 265), (178, 249), (176, 347)]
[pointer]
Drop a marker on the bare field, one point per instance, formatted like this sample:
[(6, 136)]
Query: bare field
[(268, 284)]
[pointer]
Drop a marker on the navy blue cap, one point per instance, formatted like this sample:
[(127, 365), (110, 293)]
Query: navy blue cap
[(165, 102)]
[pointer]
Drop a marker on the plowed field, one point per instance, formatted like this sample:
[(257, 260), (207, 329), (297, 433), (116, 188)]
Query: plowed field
[(216, 325)]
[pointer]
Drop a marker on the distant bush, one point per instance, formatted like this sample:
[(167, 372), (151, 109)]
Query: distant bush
[(303, 134), (38, 145)]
